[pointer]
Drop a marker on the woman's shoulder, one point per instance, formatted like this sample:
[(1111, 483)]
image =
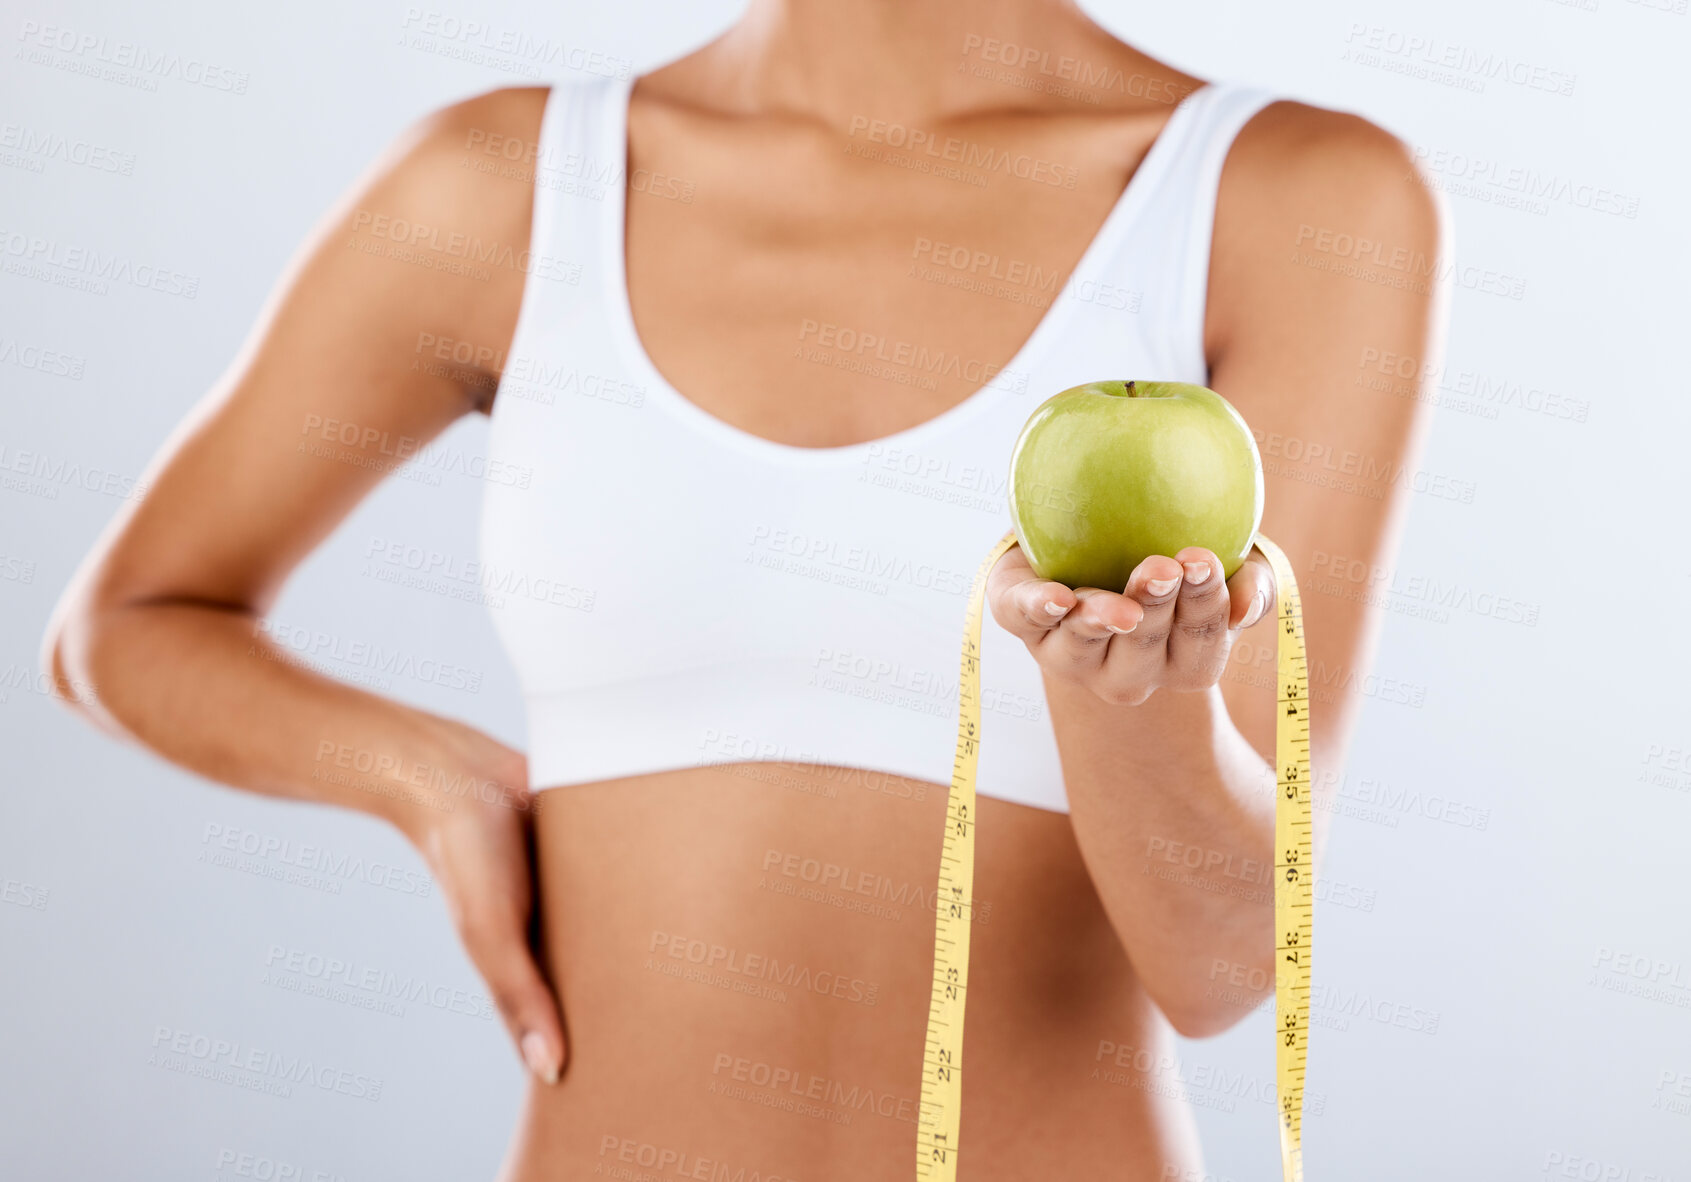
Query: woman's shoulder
[(1308, 195), (1296, 159), (1327, 232), (502, 124), (441, 222), (463, 170)]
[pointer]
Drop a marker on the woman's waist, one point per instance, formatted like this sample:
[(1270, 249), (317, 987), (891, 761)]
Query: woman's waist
[(782, 1089), (794, 1083), (789, 895), (815, 1022), (745, 968), (689, 1111)]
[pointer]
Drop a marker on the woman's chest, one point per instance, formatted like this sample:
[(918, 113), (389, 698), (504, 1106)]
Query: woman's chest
[(823, 291)]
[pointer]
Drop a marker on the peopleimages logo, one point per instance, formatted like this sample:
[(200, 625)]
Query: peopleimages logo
[(76, 265), (83, 47), (382, 989), (724, 962), (963, 153), (1396, 266), (49, 145), (830, 338), (46, 361), (806, 1094), (1488, 180), (663, 1161), (313, 645), (1060, 68), (1580, 1168), (826, 558), (1465, 62), (478, 37), (466, 248), (43, 474), (309, 859), (985, 264), (254, 1068)]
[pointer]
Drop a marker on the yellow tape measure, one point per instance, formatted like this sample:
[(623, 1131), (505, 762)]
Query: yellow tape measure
[(1294, 880)]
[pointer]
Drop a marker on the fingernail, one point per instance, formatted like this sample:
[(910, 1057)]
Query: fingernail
[(538, 1058), (1254, 612), (1161, 586), (1121, 631), (1196, 572), (1055, 609)]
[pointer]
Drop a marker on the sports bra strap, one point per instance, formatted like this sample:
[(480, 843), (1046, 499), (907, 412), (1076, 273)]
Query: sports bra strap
[(1172, 242)]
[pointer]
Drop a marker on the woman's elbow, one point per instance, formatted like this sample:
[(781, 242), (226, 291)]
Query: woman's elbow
[(1212, 1001), (1203, 1020), (70, 652)]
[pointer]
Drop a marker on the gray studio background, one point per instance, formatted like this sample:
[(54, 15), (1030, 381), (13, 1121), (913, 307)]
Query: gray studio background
[(1505, 956)]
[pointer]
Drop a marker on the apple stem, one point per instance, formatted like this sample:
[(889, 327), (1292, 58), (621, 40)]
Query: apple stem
[(1130, 389)]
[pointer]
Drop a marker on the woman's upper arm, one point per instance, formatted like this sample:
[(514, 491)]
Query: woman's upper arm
[(1327, 258), (334, 385)]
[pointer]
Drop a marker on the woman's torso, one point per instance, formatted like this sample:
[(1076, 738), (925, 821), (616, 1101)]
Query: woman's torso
[(743, 955), (740, 936)]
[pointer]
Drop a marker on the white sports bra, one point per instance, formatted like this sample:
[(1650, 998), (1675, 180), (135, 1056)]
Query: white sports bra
[(674, 591)]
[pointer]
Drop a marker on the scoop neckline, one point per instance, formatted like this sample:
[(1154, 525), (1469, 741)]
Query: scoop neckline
[(628, 340)]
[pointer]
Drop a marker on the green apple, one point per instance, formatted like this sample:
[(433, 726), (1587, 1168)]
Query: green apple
[(1107, 474)]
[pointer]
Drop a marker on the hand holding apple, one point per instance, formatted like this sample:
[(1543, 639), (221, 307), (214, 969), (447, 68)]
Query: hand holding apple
[(1171, 627), (1136, 505)]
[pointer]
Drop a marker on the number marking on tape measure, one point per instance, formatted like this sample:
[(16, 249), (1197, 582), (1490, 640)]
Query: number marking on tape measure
[(942, 1059), (1294, 863)]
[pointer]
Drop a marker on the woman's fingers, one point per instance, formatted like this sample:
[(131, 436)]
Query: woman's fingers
[(1252, 591), (1136, 660), (1170, 627), (497, 940), (480, 855), (1198, 641), (1082, 642), (1025, 605)]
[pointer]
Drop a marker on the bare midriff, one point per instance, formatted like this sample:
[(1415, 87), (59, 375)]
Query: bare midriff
[(743, 956)]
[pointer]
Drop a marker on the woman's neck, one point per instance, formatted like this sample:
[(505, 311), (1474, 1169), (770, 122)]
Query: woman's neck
[(842, 60)]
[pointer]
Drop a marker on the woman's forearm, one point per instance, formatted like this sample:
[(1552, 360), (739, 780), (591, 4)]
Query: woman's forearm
[(1173, 811), (205, 688)]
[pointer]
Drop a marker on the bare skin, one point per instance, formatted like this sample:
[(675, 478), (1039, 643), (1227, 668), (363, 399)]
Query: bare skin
[(1158, 693)]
